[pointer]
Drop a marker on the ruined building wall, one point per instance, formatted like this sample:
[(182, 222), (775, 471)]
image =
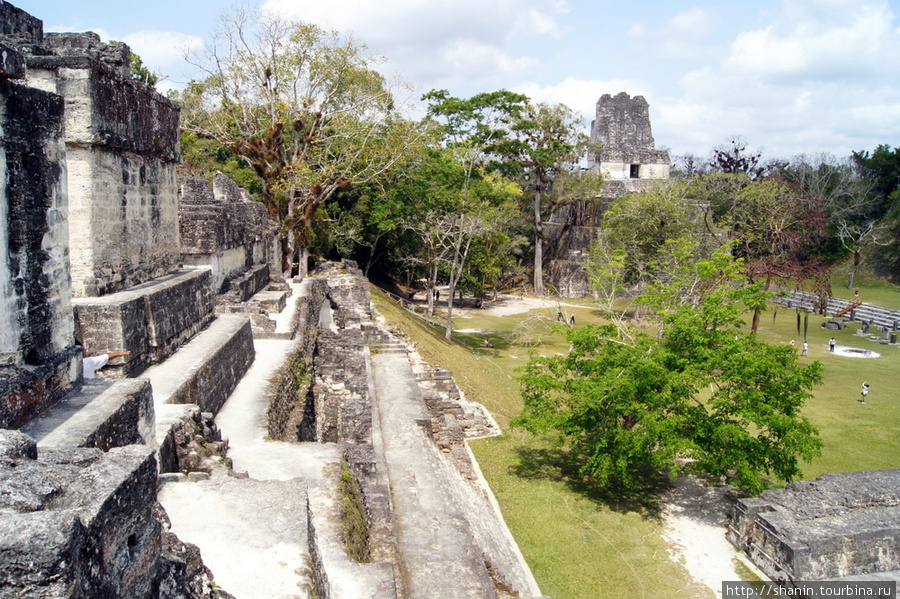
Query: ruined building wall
[(38, 358), (223, 228), (629, 162), (122, 146), (622, 127)]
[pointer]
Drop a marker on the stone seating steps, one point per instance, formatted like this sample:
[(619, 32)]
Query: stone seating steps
[(260, 307), (151, 320), (874, 315), (389, 348), (282, 536), (107, 413), (207, 369), (103, 413)]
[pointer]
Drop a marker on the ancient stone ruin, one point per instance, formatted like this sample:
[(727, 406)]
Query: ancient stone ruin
[(628, 157), (628, 161), (837, 525), (105, 251)]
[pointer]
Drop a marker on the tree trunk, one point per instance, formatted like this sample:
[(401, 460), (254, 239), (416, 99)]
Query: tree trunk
[(302, 270), (431, 288), (286, 251), (538, 246), (852, 275)]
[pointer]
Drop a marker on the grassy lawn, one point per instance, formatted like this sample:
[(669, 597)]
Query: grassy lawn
[(583, 543)]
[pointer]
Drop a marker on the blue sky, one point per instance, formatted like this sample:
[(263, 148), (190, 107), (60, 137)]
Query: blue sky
[(791, 76)]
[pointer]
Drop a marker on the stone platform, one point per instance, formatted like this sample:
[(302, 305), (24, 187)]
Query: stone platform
[(151, 320), (206, 370), (835, 526), (102, 414)]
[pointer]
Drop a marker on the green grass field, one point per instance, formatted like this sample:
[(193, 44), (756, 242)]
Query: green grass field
[(582, 542)]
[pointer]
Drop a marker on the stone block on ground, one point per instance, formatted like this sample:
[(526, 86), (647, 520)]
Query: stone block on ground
[(206, 370), (837, 525), (102, 414), (88, 529)]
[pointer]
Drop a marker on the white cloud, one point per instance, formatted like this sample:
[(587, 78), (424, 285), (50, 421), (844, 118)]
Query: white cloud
[(801, 82), (450, 44), (161, 50), (694, 22), (581, 95), (820, 39)]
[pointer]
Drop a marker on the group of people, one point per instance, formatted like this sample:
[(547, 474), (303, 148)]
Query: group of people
[(831, 345), (804, 351)]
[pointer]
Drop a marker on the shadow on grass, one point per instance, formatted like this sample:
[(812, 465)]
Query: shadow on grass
[(558, 464), (475, 341)]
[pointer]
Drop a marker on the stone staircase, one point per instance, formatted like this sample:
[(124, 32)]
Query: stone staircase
[(272, 525), (851, 310), (256, 295)]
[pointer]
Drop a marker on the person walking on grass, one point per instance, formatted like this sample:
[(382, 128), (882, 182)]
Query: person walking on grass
[(864, 392), (831, 345), (805, 350)]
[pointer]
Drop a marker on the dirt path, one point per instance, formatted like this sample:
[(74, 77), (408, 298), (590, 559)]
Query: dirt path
[(694, 520)]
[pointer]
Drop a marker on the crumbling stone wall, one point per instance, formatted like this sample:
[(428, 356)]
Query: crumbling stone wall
[(224, 228), (837, 525), (77, 523), (38, 359), (291, 412), (340, 392), (122, 146), (150, 320), (622, 128)]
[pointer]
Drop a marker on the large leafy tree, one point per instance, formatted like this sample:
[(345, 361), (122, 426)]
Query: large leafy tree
[(471, 129), (542, 151), (702, 397), (642, 223), (303, 107), (881, 170), (854, 208)]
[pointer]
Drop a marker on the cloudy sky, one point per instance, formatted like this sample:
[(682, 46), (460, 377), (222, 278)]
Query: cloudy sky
[(790, 76)]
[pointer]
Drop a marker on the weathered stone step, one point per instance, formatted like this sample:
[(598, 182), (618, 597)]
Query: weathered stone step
[(206, 370), (338, 575), (102, 414), (253, 534), (150, 320), (389, 348), (272, 301)]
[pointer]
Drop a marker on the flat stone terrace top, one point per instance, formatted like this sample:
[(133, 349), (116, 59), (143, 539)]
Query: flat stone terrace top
[(837, 525)]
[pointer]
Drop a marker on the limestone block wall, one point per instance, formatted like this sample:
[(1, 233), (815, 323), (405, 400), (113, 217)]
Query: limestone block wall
[(837, 525), (77, 523), (38, 357), (122, 146), (568, 237), (291, 411), (224, 228), (622, 129), (150, 320)]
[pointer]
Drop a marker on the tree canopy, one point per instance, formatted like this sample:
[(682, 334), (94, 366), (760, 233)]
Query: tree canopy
[(303, 107), (702, 397)]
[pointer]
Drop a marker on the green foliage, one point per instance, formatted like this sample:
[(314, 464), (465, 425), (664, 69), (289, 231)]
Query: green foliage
[(305, 108), (203, 157), (702, 397), (141, 73), (641, 224), (354, 521), (882, 167)]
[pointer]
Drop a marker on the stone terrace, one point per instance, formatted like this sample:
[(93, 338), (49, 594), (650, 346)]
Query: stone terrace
[(837, 525)]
